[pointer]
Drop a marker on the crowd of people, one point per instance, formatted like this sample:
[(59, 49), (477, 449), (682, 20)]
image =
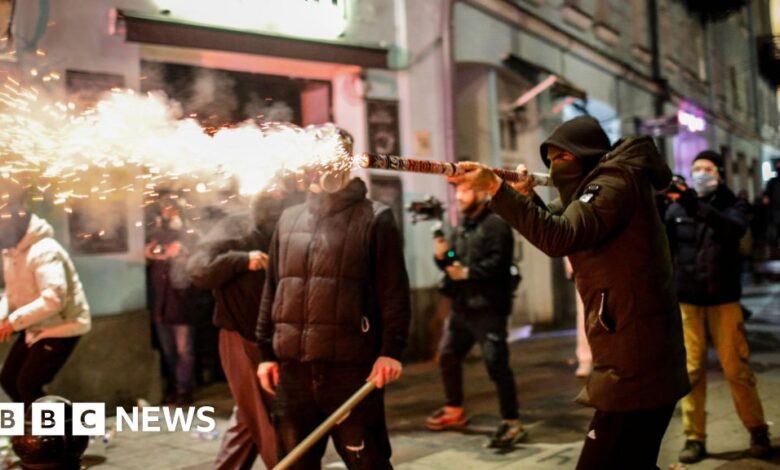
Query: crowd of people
[(311, 299)]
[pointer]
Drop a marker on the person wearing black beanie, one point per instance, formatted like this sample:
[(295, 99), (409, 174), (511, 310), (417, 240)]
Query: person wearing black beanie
[(705, 225), (607, 223)]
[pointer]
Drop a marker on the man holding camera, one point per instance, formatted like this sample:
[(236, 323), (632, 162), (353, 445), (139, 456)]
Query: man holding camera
[(477, 264), (705, 225)]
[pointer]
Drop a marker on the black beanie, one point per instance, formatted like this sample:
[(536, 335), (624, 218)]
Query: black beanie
[(582, 136), (712, 156)]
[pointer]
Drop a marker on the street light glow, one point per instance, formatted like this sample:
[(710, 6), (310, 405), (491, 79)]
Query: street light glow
[(318, 20)]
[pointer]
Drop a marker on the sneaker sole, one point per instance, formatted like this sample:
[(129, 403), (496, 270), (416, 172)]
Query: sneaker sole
[(508, 445), (442, 427)]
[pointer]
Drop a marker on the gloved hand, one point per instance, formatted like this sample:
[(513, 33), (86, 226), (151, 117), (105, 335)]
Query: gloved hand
[(690, 202)]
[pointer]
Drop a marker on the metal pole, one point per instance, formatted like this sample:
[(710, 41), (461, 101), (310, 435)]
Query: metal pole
[(326, 426)]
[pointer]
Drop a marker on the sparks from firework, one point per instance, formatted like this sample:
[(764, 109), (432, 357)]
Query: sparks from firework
[(53, 143)]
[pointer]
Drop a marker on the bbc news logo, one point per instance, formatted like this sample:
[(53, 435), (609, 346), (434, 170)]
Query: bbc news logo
[(89, 419)]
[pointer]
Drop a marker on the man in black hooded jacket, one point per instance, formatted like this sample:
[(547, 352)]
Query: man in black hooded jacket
[(231, 261), (607, 223), (705, 225)]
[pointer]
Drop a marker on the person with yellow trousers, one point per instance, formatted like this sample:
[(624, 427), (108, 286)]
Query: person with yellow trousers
[(705, 225)]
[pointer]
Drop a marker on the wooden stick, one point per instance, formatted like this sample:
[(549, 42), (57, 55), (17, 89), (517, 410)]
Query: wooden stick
[(326, 426)]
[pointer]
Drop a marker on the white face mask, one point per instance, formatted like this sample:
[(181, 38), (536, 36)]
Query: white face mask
[(704, 183)]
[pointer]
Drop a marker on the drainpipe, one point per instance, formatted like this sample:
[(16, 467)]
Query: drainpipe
[(448, 90), (757, 114), (448, 70), (655, 50)]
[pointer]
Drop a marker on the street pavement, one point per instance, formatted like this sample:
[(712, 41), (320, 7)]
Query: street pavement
[(544, 368)]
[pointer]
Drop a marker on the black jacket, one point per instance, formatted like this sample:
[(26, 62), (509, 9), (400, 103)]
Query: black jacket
[(336, 288), (617, 245), (171, 297), (221, 263), (485, 246), (705, 245)]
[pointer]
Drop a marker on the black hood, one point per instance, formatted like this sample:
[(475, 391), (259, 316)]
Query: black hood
[(581, 136)]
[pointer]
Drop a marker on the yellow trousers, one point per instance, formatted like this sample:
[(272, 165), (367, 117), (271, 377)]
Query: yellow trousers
[(727, 330)]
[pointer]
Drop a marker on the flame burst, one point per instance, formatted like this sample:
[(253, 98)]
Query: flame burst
[(126, 137)]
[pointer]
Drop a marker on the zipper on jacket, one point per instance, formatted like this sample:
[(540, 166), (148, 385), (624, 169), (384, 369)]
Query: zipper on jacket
[(607, 322), (307, 266)]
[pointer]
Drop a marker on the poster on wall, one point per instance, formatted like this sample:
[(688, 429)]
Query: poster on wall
[(383, 128), (98, 227)]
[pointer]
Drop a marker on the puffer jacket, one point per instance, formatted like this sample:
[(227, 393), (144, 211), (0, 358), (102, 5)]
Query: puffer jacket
[(336, 288), (705, 245), (43, 293), (617, 245)]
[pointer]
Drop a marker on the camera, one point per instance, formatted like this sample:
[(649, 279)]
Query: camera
[(429, 208)]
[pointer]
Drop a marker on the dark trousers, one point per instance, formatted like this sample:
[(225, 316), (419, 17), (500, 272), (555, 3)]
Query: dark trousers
[(28, 368), (308, 393), (177, 344), (489, 330), (250, 431), (617, 441)]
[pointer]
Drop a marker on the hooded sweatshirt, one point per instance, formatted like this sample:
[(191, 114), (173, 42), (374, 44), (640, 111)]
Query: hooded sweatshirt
[(617, 245), (43, 293), (583, 137)]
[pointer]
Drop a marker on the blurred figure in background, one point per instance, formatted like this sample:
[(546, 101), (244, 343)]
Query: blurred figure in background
[(231, 261), (706, 224), (477, 262), (171, 305), (772, 201)]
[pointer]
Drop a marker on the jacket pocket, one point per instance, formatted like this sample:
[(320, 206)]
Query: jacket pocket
[(606, 320)]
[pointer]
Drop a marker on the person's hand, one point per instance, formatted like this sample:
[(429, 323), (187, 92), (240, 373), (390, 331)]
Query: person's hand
[(6, 330), (457, 272), (690, 202), (526, 184), (676, 190), (173, 249), (268, 374), (257, 260), (385, 370), (568, 268), (441, 246), (153, 251), (478, 177), (765, 200)]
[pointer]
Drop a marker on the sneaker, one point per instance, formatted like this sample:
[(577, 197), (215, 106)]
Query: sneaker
[(694, 451), (507, 435), (760, 447), (447, 417)]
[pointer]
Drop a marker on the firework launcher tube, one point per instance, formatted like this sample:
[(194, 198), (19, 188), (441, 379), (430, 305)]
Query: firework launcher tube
[(326, 426), (437, 167)]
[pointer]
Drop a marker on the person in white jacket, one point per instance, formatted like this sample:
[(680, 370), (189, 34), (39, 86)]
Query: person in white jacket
[(43, 298)]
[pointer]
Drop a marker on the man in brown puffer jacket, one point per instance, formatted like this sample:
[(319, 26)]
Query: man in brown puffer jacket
[(607, 223), (335, 312)]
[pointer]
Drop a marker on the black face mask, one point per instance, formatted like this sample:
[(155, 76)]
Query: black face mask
[(566, 176), (13, 229)]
